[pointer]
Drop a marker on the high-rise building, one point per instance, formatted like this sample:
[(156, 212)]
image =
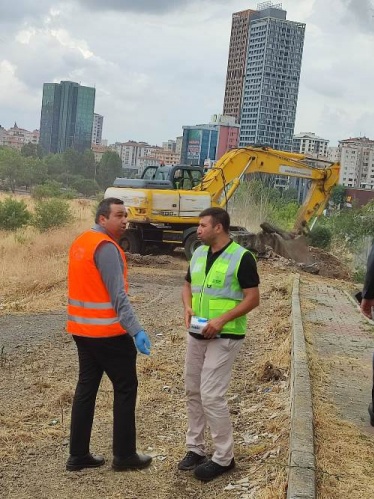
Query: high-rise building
[(236, 63), (274, 48), (97, 129), (67, 117)]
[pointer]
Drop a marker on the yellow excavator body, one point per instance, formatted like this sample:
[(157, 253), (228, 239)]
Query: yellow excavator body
[(163, 214)]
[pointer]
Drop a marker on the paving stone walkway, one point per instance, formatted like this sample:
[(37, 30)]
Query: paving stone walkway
[(341, 335)]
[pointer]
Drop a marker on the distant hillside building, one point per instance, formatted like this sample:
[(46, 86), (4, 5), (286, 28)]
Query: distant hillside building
[(17, 137), (310, 144), (99, 151), (357, 163), (67, 117), (178, 145), (97, 129), (333, 154)]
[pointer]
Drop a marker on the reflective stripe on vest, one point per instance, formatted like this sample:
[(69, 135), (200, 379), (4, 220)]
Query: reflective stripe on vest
[(219, 291), (90, 311)]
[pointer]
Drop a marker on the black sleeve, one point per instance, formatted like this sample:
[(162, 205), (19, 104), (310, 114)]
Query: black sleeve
[(247, 272), (188, 275), (368, 291)]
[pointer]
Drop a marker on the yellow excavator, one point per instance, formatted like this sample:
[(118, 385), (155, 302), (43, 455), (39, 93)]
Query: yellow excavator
[(164, 204)]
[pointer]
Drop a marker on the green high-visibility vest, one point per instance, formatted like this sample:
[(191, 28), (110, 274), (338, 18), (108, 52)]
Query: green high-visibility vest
[(219, 291)]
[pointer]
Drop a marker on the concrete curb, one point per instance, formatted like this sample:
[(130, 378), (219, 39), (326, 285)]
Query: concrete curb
[(301, 475)]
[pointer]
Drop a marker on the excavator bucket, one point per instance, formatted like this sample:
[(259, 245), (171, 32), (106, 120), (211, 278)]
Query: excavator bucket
[(287, 244), (296, 249)]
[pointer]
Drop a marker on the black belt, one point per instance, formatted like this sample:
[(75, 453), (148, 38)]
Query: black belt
[(223, 335)]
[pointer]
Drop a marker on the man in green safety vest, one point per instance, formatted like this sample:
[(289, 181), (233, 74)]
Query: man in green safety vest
[(221, 287)]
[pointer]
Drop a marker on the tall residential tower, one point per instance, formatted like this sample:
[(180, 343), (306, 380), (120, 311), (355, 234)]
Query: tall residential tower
[(236, 63), (270, 85), (97, 129), (67, 117)]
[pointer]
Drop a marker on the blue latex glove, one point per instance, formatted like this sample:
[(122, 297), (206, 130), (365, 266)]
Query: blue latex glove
[(142, 342)]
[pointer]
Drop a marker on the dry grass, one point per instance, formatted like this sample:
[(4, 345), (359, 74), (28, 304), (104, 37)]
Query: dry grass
[(38, 388), (33, 265)]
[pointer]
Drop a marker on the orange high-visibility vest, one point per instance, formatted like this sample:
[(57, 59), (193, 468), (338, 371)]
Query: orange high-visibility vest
[(90, 311)]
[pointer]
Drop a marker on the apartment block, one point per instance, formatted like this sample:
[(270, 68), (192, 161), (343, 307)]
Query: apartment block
[(357, 163), (310, 144), (16, 137), (97, 129)]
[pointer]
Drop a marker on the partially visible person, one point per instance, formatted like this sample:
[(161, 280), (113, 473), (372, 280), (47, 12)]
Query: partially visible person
[(367, 304), (221, 287), (367, 301), (104, 327)]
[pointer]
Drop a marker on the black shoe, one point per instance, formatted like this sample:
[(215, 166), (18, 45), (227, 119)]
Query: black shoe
[(190, 461), (134, 462), (210, 470), (371, 413), (76, 463)]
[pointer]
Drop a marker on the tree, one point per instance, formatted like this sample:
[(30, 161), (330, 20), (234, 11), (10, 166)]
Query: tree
[(13, 214), (54, 163), (32, 150), (34, 172), (88, 165), (85, 186), (12, 167), (72, 161), (338, 195), (51, 214), (109, 168)]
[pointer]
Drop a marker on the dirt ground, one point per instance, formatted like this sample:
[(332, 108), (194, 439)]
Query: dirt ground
[(38, 368)]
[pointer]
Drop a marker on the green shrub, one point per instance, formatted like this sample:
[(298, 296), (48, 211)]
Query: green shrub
[(320, 237), (13, 214), (49, 189), (53, 189), (51, 214), (86, 186), (359, 275)]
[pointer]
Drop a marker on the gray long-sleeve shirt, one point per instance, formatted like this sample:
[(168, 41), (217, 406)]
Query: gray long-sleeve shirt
[(110, 265)]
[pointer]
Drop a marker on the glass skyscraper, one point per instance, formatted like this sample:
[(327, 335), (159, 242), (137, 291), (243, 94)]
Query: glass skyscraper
[(271, 83), (67, 117)]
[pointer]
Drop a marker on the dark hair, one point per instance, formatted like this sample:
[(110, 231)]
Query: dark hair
[(219, 216), (104, 207)]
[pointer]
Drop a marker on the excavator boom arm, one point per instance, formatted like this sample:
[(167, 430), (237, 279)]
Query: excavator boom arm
[(222, 181)]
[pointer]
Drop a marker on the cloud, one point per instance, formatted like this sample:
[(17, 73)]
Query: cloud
[(161, 64), (361, 12), (143, 6), (23, 9)]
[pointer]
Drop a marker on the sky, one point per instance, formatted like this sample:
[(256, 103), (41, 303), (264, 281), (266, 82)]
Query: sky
[(160, 64)]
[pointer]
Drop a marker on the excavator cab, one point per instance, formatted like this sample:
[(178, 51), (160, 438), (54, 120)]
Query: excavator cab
[(183, 177)]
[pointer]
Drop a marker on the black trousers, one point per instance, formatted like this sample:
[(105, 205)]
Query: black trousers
[(116, 356)]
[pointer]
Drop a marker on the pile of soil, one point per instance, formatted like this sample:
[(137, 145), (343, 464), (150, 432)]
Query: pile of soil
[(329, 265)]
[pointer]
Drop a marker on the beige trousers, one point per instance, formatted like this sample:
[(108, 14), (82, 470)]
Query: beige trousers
[(207, 377)]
